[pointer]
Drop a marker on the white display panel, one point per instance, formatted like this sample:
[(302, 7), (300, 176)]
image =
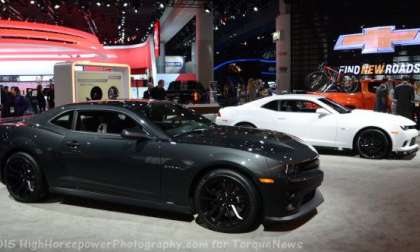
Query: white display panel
[(82, 81), (99, 86)]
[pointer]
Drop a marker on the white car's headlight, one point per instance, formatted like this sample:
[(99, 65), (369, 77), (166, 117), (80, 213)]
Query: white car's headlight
[(405, 127)]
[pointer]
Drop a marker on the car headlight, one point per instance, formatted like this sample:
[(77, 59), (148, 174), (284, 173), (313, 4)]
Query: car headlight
[(408, 127)]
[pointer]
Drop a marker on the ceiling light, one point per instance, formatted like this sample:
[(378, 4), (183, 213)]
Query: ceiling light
[(207, 10), (57, 6), (32, 1), (161, 5), (3, 1), (256, 9), (125, 4), (136, 11), (98, 4), (108, 5)]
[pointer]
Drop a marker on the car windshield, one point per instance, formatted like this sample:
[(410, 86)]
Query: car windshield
[(337, 107), (174, 120)]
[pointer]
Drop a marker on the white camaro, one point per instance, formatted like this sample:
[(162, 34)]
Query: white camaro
[(324, 123)]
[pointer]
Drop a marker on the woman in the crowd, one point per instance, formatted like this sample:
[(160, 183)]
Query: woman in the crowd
[(42, 103)]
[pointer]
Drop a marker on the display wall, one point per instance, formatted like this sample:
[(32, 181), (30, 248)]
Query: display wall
[(317, 25)]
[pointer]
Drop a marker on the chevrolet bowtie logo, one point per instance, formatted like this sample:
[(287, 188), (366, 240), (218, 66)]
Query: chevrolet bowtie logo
[(378, 39)]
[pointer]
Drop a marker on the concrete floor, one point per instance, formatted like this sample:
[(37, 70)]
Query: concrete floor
[(369, 206)]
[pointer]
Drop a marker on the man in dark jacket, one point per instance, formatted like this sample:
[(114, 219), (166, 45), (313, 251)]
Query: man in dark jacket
[(159, 93), (148, 93), (404, 96), (6, 99)]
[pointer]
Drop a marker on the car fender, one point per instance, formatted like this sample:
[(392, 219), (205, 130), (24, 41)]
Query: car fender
[(251, 165), (347, 132)]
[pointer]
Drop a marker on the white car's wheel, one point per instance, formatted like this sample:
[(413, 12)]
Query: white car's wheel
[(372, 144)]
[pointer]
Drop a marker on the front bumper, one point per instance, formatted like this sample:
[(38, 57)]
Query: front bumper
[(305, 209), (406, 142), (292, 197)]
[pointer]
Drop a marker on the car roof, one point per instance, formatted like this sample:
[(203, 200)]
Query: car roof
[(116, 103), (309, 97), (300, 96)]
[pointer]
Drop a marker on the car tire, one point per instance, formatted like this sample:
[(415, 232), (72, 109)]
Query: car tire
[(24, 178), (372, 144), (227, 202), (246, 125)]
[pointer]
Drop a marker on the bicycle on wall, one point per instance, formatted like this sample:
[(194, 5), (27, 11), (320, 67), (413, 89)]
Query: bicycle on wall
[(328, 78)]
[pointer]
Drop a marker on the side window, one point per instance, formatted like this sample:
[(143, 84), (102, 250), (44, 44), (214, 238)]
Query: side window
[(64, 121), (104, 122), (273, 105), (299, 106)]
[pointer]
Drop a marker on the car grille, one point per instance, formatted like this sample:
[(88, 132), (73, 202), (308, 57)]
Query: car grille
[(308, 165)]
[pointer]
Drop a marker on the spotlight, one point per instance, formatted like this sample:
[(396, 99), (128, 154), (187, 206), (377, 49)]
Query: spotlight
[(98, 4), (256, 9), (108, 5), (207, 10), (161, 6), (125, 4), (32, 1), (57, 6)]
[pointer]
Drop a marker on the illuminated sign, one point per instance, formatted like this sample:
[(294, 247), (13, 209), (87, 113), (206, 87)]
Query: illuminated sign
[(174, 64), (382, 69), (378, 39)]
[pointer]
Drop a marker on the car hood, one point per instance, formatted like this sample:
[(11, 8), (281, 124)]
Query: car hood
[(378, 117), (271, 144)]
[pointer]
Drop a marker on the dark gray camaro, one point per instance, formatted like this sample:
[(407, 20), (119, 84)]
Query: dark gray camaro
[(160, 155)]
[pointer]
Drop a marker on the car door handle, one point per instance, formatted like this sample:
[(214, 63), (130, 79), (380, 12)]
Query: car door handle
[(73, 144)]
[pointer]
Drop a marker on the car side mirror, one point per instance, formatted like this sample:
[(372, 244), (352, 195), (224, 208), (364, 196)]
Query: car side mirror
[(135, 134), (322, 112)]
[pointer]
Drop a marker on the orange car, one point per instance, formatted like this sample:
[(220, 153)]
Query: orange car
[(363, 98)]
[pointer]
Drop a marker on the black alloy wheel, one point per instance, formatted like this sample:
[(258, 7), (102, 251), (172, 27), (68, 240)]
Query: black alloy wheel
[(373, 144), (227, 202), (24, 179)]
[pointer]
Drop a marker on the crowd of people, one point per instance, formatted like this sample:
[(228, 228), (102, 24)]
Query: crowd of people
[(237, 93), (397, 98), (15, 104)]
